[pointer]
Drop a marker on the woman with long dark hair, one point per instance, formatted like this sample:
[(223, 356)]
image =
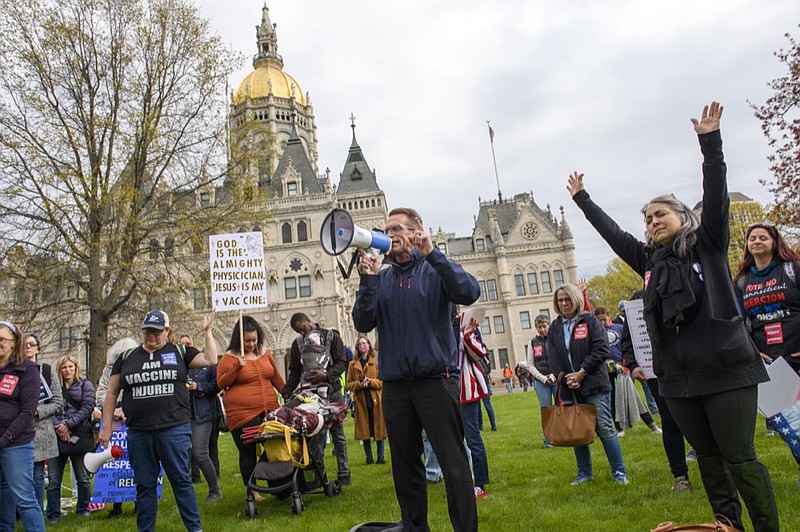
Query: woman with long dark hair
[(767, 287), (249, 377), (707, 366)]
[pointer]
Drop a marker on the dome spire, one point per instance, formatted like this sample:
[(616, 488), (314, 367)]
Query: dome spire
[(354, 144), (267, 42)]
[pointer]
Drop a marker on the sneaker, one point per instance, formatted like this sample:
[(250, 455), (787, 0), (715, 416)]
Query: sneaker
[(692, 456), (581, 479), (548, 445), (381, 460), (436, 480), (655, 429), (621, 478), (494, 429), (621, 434), (214, 496), (115, 512), (344, 480), (369, 461), (682, 484), (480, 493)]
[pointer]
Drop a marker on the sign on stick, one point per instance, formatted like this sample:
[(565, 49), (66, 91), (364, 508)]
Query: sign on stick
[(238, 273)]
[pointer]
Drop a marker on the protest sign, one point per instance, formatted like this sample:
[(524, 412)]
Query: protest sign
[(238, 274), (114, 481), (634, 313)]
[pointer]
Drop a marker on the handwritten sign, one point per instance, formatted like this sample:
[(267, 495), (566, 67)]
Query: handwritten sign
[(115, 482), (238, 273), (634, 313)]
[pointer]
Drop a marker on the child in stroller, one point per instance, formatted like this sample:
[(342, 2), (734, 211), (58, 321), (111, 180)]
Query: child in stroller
[(290, 463)]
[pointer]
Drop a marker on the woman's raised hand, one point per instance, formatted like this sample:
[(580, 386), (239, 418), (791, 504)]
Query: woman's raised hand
[(575, 183), (710, 120)]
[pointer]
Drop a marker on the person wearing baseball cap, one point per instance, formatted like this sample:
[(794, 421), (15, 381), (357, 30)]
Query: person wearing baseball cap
[(153, 377)]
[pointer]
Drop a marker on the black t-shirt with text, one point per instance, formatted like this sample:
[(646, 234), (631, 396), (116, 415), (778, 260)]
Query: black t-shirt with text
[(154, 393)]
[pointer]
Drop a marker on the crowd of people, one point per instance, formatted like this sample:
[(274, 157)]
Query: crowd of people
[(711, 336)]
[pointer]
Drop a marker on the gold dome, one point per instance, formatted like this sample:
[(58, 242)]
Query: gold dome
[(257, 85)]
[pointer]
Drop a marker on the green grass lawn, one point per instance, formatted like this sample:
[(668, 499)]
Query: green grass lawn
[(529, 489)]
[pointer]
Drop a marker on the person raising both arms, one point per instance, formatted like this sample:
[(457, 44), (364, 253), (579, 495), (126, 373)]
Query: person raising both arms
[(707, 366)]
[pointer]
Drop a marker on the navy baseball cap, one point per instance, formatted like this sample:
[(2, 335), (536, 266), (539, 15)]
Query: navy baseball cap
[(156, 319)]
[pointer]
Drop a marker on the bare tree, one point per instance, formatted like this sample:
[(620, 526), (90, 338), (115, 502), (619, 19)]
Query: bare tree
[(112, 138)]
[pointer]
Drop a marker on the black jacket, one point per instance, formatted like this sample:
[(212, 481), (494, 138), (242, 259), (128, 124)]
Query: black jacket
[(710, 351), (588, 353)]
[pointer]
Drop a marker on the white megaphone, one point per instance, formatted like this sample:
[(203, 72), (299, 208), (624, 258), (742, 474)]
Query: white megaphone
[(339, 232), (94, 461)]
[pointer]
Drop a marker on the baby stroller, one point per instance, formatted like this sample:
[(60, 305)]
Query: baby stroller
[(291, 462)]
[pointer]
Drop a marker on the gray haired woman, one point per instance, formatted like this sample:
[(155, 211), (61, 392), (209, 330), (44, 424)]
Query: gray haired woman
[(707, 366)]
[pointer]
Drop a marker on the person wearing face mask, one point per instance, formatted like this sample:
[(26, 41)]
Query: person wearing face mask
[(363, 382), (155, 400), (19, 394), (707, 365), (410, 302), (251, 380)]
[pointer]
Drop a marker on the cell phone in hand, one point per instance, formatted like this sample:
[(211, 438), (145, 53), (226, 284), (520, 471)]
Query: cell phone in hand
[(74, 439)]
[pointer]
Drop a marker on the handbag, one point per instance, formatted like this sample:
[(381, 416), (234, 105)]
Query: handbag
[(569, 425), (723, 524)]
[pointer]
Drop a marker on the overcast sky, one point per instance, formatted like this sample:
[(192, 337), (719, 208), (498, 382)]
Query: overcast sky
[(607, 88)]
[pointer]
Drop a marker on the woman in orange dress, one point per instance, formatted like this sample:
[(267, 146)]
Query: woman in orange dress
[(249, 377)]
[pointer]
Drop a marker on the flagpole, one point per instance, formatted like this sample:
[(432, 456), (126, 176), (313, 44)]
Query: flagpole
[(494, 160)]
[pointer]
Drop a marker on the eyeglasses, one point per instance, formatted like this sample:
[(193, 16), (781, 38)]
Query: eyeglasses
[(396, 228), (31, 344), (4, 341)]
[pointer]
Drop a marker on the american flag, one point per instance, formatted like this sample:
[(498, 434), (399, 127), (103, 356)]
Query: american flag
[(781, 425)]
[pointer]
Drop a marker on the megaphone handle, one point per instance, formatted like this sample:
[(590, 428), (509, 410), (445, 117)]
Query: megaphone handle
[(346, 273)]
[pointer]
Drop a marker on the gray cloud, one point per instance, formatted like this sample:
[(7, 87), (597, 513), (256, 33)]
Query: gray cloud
[(605, 88)]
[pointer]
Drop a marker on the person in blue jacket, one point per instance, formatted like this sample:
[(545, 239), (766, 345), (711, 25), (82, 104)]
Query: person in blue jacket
[(411, 303)]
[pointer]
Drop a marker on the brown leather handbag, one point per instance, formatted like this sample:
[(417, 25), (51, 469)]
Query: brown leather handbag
[(569, 425), (723, 524)]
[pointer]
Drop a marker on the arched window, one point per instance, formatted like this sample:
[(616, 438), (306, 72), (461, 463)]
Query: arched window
[(286, 233), (302, 231)]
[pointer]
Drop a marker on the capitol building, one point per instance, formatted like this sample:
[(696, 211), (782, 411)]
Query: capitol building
[(518, 251)]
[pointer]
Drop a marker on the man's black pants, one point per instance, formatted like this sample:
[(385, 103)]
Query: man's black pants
[(432, 404)]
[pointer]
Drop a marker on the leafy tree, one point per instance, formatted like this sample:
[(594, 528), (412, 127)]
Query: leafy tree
[(617, 284), (780, 122), (112, 132)]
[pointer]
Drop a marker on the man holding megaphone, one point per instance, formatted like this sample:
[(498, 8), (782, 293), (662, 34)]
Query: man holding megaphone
[(411, 304)]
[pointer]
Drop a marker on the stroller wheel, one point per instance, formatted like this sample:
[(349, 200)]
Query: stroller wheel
[(250, 508), (333, 488), (297, 504)]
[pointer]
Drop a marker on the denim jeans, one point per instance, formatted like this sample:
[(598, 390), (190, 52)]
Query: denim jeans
[(472, 435), (16, 483), (170, 447), (607, 434), (380, 446), (487, 404), (546, 393), (38, 482), (55, 471), (201, 433), (433, 472)]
